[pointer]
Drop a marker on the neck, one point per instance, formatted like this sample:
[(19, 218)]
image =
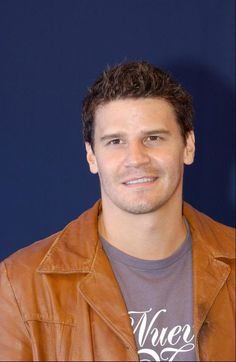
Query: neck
[(150, 236)]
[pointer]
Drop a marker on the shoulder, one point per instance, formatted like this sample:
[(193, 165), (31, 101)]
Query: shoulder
[(206, 220), (219, 237), (63, 244), (31, 254)]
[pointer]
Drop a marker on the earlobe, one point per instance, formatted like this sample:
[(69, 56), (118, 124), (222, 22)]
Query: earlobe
[(91, 158), (189, 149)]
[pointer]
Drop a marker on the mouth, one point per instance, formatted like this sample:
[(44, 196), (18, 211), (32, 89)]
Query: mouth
[(140, 181)]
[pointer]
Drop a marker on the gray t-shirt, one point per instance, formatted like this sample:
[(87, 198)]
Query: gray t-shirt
[(158, 296)]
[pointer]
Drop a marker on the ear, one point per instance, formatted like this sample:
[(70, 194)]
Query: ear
[(189, 151), (91, 158)]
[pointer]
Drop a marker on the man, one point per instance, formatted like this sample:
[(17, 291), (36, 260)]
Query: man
[(141, 275)]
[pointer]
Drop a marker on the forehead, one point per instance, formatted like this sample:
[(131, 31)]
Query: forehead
[(131, 114)]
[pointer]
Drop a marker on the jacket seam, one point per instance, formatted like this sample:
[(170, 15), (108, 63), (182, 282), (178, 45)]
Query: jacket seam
[(42, 320), (16, 300)]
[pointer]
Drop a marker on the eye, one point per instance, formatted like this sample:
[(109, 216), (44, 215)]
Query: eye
[(153, 139), (115, 141)]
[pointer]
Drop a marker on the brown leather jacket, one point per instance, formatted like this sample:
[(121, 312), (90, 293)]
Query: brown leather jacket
[(59, 299)]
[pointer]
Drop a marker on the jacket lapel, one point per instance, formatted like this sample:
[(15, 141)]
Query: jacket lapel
[(101, 291), (209, 276), (77, 249), (210, 272)]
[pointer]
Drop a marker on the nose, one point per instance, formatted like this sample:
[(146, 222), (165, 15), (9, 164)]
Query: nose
[(136, 154)]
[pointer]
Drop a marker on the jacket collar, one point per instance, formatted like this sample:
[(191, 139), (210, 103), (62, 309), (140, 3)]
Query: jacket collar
[(75, 247), (213, 237)]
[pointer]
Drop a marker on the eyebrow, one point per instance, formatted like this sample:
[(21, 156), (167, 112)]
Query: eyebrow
[(144, 133), (112, 135), (156, 131)]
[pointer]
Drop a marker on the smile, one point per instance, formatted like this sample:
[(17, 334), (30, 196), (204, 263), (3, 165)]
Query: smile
[(143, 180)]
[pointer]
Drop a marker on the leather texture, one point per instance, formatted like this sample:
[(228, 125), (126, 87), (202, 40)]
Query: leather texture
[(59, 299)]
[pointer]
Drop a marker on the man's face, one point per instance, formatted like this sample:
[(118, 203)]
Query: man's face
[(139, 154)]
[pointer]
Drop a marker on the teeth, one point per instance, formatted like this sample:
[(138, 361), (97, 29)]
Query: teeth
[(140, 180)]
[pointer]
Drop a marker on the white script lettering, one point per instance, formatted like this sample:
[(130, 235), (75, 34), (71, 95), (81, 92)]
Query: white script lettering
[(168, 342)]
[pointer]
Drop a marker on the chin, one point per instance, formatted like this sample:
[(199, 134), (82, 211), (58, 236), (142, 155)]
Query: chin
[(138, 208)]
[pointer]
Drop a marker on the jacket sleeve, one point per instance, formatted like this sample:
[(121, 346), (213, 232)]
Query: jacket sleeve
[(14, 338)]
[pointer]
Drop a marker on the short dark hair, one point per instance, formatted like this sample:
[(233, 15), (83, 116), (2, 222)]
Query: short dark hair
[(137, 79)]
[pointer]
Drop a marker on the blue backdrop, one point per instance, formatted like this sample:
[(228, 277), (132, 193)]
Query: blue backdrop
[(50, 51)]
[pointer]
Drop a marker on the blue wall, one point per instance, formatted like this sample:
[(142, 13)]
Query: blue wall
[(50, 51)]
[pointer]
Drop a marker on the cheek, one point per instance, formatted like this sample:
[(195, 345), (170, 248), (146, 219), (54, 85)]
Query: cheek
[(164, 159), (105, 169), (110, 162), (170, 163)]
